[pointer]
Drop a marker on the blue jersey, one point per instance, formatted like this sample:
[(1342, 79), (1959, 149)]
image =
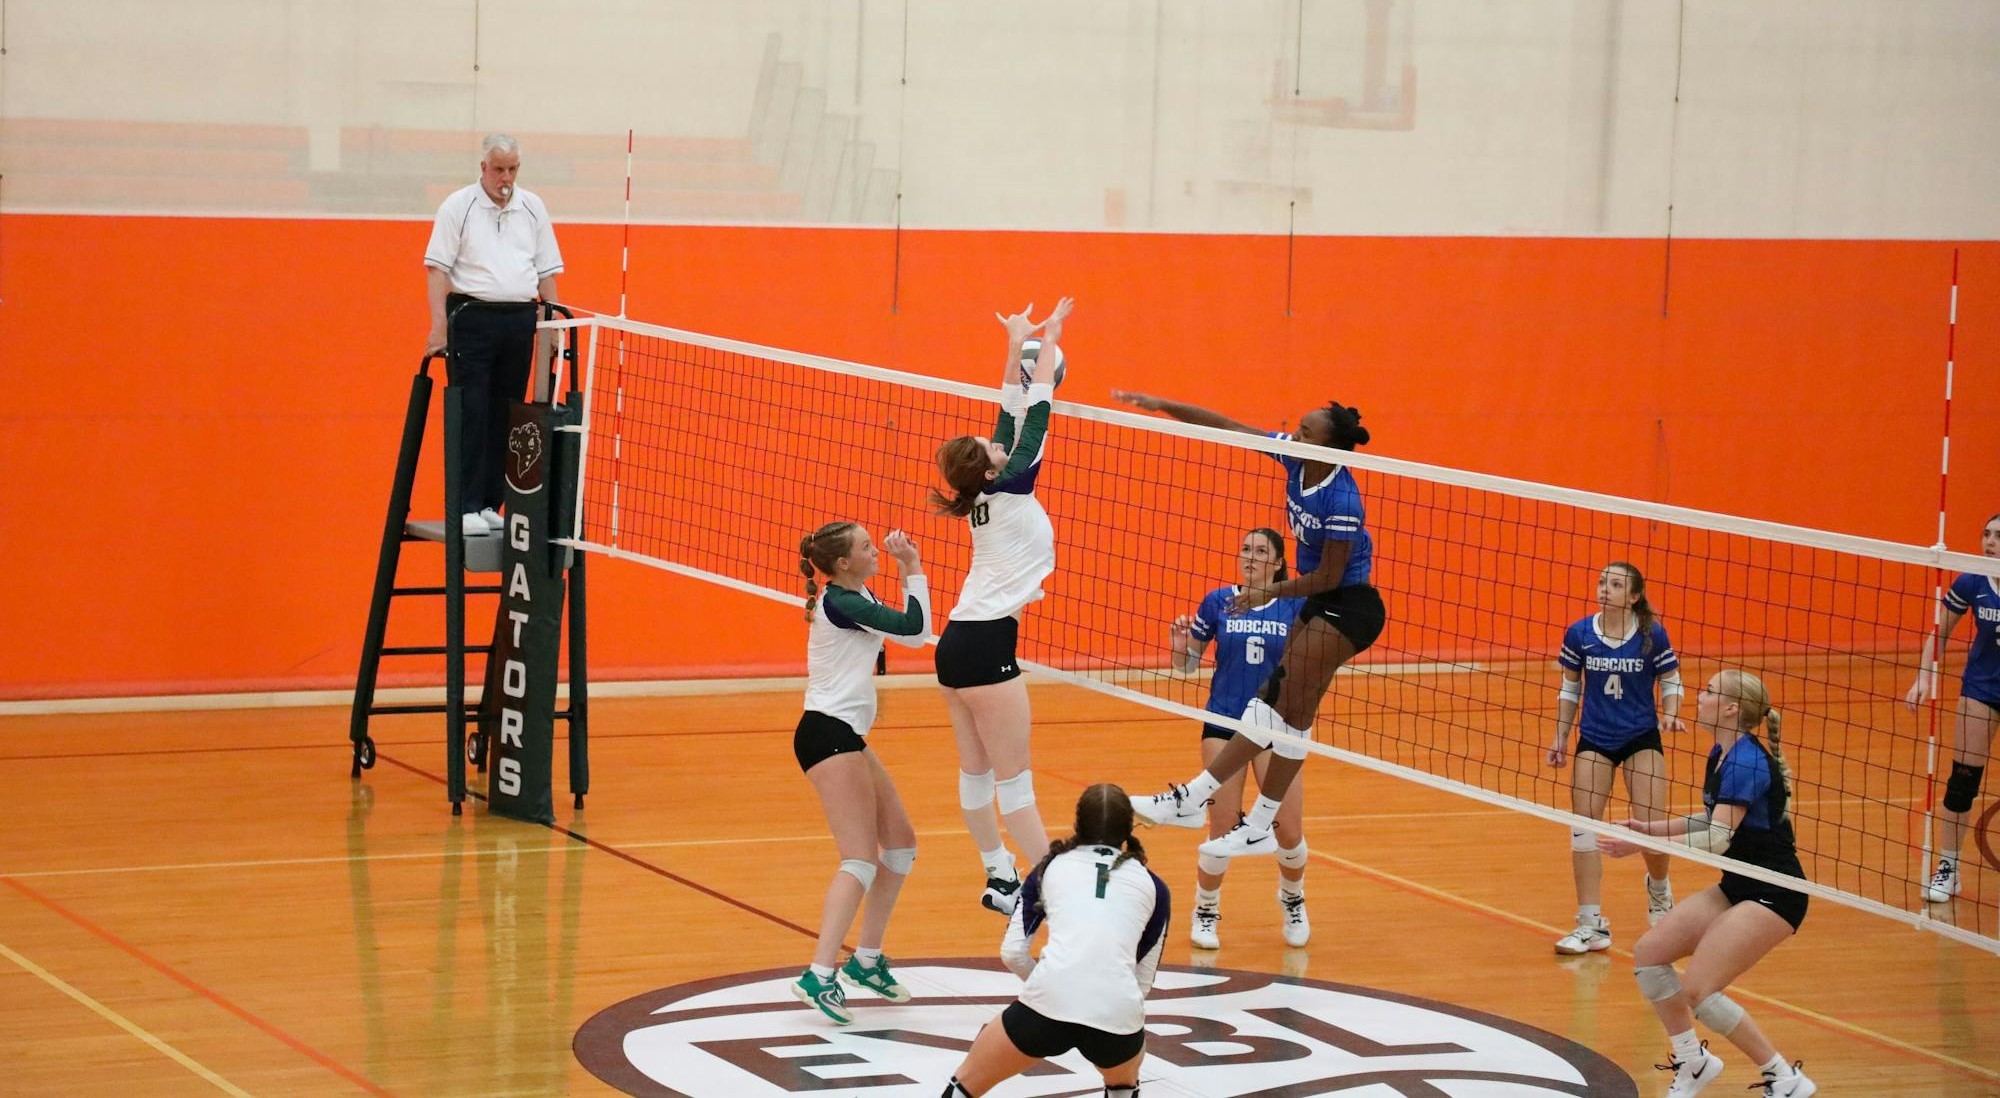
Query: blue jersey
[(1978, 598), (1328, 511), (1247, 646), (1618, 680), (1747, 775)]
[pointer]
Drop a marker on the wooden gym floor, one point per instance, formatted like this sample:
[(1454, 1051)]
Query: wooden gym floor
[(202, 902)]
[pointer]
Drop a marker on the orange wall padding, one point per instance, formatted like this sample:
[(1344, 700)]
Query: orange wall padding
[(203, 412)]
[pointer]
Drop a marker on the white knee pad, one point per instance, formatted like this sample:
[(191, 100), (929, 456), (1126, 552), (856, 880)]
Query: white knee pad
[(1263, 720), (860, 871), (1293, 857), (1582, 842), (1720, 1013), (1015, 793), (975, 791), (1215, 865), (899, 859), (1658, 983)]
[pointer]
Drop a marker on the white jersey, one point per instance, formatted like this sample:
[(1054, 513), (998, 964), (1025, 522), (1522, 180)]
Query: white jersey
[(1013, 545), (1107, 927), (846, 635)]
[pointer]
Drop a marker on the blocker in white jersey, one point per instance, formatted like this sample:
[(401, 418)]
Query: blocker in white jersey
[(863, 810), (1106, 916), (992, 483)]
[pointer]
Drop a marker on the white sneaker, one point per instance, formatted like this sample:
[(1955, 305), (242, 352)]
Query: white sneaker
[(1659, 903), (472, 526), (1943, 884), (1591, 935), (1297, 928), (1795, 1085), (1693, 1076), (1241, 840), (493, 520), (1174, 808), (1202, 933), (1002, 895)]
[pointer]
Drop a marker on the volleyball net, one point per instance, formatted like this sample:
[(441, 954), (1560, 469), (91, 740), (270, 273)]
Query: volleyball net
[(710, 458)]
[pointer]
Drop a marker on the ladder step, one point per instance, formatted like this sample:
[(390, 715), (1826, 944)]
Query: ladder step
[(434, 650), (483, 589), (375, 710)]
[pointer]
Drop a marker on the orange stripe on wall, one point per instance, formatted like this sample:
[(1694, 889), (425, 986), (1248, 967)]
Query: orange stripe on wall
[(204, 411)]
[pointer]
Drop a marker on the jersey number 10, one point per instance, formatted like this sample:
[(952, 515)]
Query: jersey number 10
[(981, 514)]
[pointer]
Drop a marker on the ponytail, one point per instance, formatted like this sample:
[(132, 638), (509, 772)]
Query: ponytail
[(1772, 722), (806, 569)]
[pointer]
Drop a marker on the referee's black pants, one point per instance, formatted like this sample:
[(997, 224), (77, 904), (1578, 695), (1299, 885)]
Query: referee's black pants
[(492, 351)]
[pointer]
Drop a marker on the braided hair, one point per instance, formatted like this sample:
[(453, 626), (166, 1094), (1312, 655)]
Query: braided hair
[(821, 550)]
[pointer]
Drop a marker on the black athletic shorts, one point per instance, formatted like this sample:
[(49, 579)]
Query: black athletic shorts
[(1788, 905), (977, 653), (820, 737), (1043, 1037), (1356, 611), (1647, 741)]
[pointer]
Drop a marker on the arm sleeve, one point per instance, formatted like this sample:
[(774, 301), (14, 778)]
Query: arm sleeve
[(1664, 657), (905, 626), (1742, 778), (1206, 620), (1014, 947), (1345, 521), (1570, 655), (1958, 597), (1153, 940), (442, 251), (1280, 458), (1027, 448)]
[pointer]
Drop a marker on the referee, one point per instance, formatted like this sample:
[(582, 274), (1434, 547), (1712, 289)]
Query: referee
[(492, 253)]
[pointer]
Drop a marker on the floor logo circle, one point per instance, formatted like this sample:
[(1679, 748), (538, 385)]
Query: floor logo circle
[(1210, 1032)]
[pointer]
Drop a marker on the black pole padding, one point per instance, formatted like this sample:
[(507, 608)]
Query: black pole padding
[(454, 601), (390, 554), (579, 680)]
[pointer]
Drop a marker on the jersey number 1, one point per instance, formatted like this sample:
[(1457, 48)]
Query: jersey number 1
[(1103, 877)]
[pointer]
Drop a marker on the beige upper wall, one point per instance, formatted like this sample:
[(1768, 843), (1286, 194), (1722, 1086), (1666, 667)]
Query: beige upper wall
[(1797, 118)]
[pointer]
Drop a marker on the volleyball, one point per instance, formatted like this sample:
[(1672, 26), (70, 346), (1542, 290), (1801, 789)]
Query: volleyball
[(1030, 349)]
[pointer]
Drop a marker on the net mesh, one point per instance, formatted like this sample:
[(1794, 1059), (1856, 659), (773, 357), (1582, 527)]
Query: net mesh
[(715, 457)]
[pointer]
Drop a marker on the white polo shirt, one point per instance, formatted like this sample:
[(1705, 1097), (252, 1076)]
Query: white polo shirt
[(494, 253)]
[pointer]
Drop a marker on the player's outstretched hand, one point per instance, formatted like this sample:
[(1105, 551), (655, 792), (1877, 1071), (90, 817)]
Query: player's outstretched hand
[(1145, 402), (1019, 327), (1052, 327)]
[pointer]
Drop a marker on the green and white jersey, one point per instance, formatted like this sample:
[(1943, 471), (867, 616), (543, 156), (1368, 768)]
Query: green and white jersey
[(846, 635), (1013, 545)]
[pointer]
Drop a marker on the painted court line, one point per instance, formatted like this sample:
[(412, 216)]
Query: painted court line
[(122, 1022), (1506, 916), (189, 983)]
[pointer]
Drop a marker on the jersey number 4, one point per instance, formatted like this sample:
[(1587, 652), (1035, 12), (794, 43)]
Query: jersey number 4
[(1614, 687), (981, 514)]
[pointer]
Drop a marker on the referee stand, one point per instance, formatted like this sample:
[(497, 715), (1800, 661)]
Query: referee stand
[(512, 724)]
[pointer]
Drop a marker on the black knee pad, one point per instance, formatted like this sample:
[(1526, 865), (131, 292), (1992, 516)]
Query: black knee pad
[(1270, 692), (1962, 787)]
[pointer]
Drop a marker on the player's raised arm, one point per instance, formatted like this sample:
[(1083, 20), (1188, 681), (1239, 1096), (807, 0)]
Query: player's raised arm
[(1186, 413)]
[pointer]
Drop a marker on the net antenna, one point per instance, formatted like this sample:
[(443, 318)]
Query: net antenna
[(1936, 650), (706, 457)]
